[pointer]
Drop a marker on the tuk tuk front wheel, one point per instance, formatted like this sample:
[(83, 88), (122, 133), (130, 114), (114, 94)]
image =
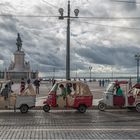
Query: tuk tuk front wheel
[(101, 106), (24, 108), (82, 108), (46, 108), (138, 107)]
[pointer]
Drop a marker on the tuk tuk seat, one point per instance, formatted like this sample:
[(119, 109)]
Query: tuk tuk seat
[(118, 100), (131, 100)]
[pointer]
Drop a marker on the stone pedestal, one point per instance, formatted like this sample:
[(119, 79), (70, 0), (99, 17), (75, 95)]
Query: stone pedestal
[(19, 61), (19, 68)]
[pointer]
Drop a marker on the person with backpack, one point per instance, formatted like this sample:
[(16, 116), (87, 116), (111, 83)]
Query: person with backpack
[(28, 81), (37, 85), (5, 92)]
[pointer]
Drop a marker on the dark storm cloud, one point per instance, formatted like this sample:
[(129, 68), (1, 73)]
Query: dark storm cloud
[(120, 56), (7, 37), (129, 4), (53, 60), (1, 57), (7, 24), (44, 39)]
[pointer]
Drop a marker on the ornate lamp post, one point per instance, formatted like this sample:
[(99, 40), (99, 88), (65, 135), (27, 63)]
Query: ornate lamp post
[(61, 11)]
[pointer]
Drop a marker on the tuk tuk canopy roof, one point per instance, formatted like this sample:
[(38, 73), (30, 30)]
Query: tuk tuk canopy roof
[(81, 87), (121, 82), (137, 86), (4, 81)]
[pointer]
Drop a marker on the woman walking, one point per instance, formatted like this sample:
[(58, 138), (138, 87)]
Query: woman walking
[(22, 85)]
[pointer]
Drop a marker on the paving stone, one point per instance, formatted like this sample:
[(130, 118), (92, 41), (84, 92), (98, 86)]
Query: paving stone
[(112, 124)]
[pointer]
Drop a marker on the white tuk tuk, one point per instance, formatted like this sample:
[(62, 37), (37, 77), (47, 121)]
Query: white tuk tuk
[(130, 99), (15, 101)]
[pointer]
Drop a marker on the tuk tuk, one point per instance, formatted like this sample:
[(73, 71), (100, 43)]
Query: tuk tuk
[(78, 96), (23, 101), (130, 98)]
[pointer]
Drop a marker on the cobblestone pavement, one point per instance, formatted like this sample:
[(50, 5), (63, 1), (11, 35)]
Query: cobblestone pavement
[(36, 124)]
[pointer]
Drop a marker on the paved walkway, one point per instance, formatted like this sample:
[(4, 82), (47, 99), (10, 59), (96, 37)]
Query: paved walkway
[(112, 124), (69, 124)]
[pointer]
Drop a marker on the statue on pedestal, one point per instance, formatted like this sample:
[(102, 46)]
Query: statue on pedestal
[(19, 43)]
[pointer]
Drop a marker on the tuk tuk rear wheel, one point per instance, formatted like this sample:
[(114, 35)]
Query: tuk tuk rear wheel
[(138, 107), (101, 106), (24, 109), (46, 108), (82, 108)]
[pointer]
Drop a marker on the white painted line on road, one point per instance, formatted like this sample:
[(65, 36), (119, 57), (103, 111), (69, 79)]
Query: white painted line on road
[(77, 129)]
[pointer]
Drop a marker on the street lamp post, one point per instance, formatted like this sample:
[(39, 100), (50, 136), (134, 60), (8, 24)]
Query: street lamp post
[(54, 73), (112, 73), (137, 58), (90, 68), (61, 11)]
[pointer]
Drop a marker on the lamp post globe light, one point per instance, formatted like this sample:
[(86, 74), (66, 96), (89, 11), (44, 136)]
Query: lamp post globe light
[(137, 58), (76, 11), (61, 11), (68, 17), (90, 68)]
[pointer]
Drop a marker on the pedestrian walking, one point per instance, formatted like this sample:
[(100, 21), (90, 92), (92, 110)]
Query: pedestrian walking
[(29, 81), (53, 82), (103, 83), (5, 92), (9, 84), (49, 80), (85, 80), (22, 85), (37, 85), (100, 83)]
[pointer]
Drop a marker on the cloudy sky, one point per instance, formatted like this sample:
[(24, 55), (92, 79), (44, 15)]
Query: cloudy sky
[(105, 36)]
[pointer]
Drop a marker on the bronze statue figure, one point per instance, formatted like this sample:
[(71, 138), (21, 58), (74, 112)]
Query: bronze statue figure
[(19, 43)]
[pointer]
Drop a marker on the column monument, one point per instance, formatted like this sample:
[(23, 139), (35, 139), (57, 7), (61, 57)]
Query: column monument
[(19, 67)]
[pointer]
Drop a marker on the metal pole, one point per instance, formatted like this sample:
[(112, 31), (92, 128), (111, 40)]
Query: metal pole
[(90, 75), (138, 70), (112, 74), (68, 45), (76, 11), (54, 73), (90, 72)]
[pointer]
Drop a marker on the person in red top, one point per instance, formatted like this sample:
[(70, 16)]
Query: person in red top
[(22, 85)]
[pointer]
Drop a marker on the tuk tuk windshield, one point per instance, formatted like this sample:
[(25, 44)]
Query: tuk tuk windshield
[(54, 88), (110, 87)]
